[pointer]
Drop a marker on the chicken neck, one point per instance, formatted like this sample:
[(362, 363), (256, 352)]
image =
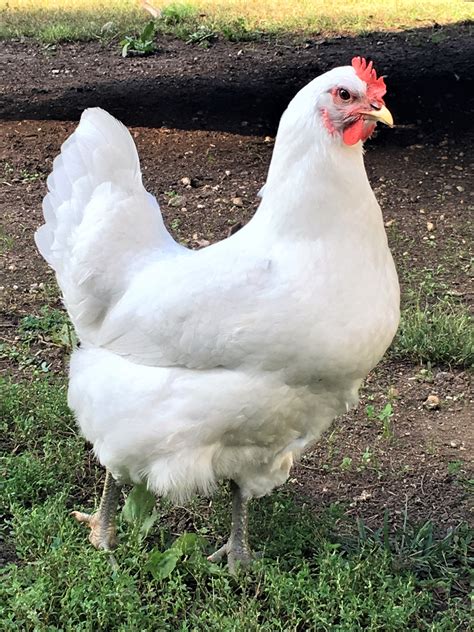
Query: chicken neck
[(313, 187)]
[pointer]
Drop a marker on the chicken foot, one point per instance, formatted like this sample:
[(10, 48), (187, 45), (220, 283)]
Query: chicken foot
[(102, 522), (236, 549)]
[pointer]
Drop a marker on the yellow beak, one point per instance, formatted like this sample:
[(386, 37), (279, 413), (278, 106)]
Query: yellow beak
[(380, 116)]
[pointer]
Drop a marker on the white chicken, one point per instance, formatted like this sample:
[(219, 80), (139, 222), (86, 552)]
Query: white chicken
[(222, 363)]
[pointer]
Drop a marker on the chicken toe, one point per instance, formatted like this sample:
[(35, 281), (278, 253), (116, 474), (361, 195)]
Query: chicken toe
[(237, 556), (102, 523)]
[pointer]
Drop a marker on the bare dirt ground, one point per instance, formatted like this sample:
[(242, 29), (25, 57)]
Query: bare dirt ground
[(204, 121)]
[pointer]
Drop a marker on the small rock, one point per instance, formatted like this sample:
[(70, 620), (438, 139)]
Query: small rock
[(186, 181), (364, 495), (442, 376), (202, 243), (429, 226), (453, 444), (431, 402), (177, 200), (393, 392), (237, 201)]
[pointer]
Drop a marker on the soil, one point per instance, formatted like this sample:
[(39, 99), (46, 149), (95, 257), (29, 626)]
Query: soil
[(209, 116)]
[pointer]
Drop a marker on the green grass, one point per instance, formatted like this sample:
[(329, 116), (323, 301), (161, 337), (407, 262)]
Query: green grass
[(436, 325), (6, 241), (71, 20), (439, 334), (318, 572)]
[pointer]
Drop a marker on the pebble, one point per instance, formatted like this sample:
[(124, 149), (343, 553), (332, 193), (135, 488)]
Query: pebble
[(177, 200), (431, 402), (393, 392), (237, 201), (442, 376)]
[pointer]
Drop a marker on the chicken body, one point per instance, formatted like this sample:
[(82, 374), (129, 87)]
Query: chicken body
[(227, 362)]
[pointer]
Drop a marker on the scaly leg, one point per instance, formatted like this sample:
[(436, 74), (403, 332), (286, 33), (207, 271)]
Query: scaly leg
[(102, 522), (237, 547)]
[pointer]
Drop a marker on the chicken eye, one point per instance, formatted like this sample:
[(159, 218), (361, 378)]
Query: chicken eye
[(344, 94)]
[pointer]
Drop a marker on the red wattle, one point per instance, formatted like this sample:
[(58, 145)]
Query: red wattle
[(354, 133), (359, 130)]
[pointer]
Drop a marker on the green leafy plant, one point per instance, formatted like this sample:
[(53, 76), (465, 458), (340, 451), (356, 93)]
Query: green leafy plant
[(143, 44), (346, 463), (50, 324), (454, 467), (162, 563), (29, 176), (384, 416), (367, 458), (203, 35), (139, 510)]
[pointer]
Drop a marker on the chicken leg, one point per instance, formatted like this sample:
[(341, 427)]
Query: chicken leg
[(102, 522), (236, 548)]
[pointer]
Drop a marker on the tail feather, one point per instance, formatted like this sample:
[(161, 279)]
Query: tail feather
[(100, 223)]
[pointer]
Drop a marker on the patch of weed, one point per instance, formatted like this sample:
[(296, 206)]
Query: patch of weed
[(51, 324), (438, 334), (142, 44), (315, 574), (6, 241)]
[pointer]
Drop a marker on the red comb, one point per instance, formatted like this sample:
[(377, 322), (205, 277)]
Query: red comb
[(376, 87)]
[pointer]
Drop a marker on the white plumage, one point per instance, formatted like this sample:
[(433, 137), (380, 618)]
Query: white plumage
[(222, 363)]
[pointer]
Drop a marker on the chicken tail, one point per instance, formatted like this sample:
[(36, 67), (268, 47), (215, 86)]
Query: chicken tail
[(101, 225)]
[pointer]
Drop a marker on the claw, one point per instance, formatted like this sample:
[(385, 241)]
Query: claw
[(219, 554), (101, 536), (237, 558)]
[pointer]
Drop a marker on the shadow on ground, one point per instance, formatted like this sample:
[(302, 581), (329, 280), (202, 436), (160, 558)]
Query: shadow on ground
[(240, 87)]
